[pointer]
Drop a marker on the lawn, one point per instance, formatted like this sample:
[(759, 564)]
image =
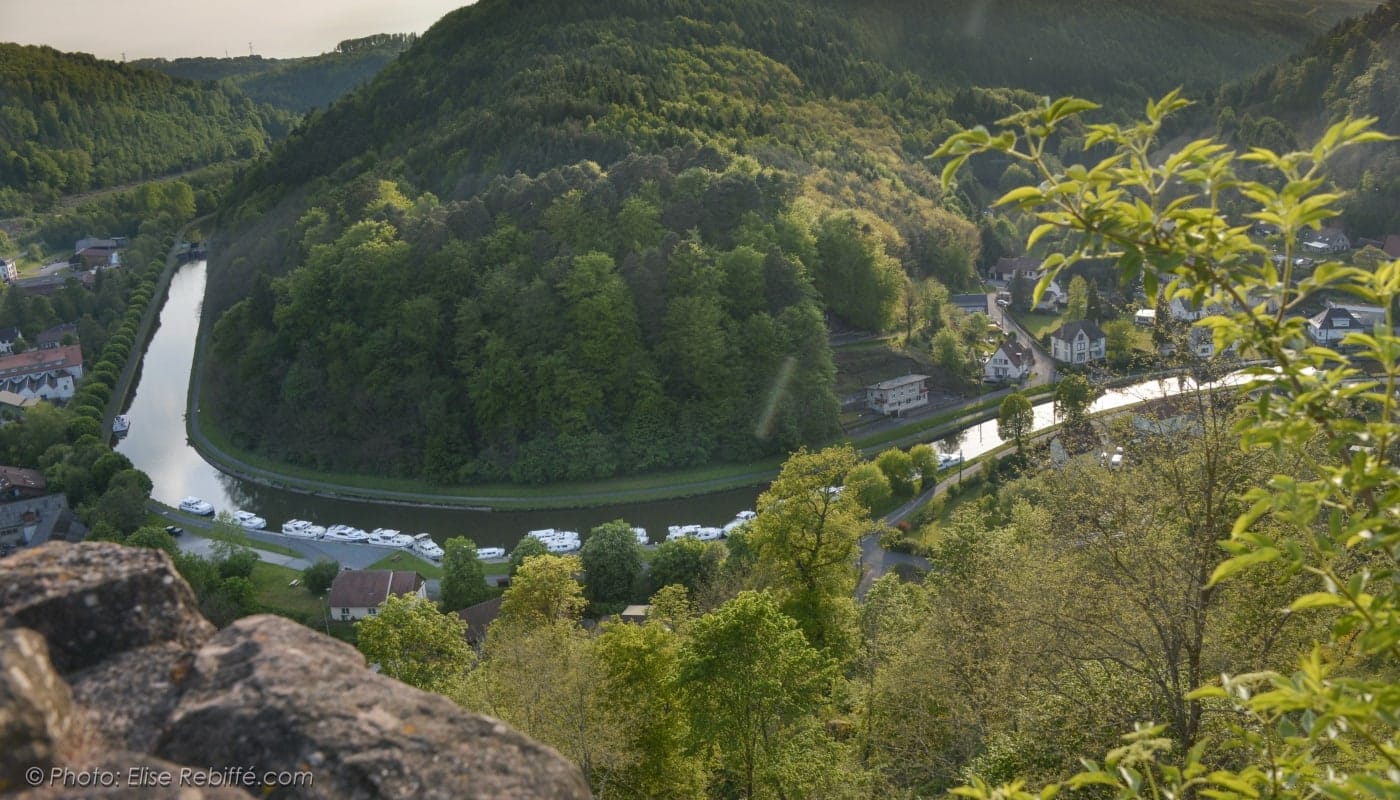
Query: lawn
[(407, 561), (272, 585), (1037, 323)]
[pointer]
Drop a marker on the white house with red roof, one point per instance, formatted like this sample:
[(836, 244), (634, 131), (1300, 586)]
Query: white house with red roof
[(50, 374), (1011, 362)]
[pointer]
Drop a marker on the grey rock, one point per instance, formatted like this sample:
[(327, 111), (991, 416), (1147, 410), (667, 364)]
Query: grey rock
[(126, 699), (35, 708), (96, 600), (268, 693)]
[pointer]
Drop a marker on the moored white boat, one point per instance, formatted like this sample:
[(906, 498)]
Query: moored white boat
[(675, 532), (302, 529), (249, 521), (709, 534), (388, 537), (740, 520), (194, 505), (121, 423), (346, 533), (490, 553), (642, 537), (424, 546)]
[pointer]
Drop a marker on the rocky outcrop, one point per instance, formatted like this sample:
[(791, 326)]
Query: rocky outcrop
[(162, 705)]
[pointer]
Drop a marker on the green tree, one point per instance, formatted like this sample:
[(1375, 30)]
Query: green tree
[(1326, 729), (154, 538), (806, 537), (1073, 397), (1077, 302), (319, 576), (638, 687), (1015, 418), (543, 592), (1118, 340), (463, 577), (526, 547), (870, 485), (898, 467), (749, 679), (686, 562), (411, 640), (612, 563)]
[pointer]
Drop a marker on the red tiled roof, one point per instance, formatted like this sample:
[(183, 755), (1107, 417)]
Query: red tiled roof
[(367, 588), (55, 358)]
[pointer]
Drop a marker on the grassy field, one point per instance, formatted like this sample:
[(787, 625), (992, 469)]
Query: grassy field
[(275, 592), (1037, 323), (409, 561)]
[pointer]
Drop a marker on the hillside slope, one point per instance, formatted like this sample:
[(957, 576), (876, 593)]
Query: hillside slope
[(70, 122), (567, 240), (293, 84)]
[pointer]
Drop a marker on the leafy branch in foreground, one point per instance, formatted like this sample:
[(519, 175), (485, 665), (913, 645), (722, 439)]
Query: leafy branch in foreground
[(1181, 223)]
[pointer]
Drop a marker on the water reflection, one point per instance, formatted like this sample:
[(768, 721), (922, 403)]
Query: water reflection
[(157, 444)]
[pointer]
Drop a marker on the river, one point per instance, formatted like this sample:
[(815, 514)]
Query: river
[(157, 444)]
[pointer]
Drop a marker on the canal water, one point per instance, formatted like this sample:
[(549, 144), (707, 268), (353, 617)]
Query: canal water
[(157, 445)]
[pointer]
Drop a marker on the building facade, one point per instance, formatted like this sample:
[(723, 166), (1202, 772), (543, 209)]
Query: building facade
[(898, 394)]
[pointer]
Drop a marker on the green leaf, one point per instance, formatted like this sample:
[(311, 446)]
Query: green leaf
[(1233, 565), (1316, 600)]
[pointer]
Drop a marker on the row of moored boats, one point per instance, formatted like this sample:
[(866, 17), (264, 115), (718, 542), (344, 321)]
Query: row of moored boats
[(555, 540)]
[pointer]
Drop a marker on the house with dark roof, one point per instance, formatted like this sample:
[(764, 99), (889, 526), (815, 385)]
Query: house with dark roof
[(17, 483), (1078, 343), (46, 374), (1392, 245), (478, 618), (1327, 327), (1008, 269), (8, 337), (53, 337), (970, 303), (1327, 241), (897, 395), (32, 521), (1011, 362), (358, 593)]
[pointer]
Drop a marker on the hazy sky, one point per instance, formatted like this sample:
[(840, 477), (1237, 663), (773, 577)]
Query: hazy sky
[(175, 28)]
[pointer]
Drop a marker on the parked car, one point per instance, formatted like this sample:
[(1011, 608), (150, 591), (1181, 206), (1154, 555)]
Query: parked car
[(174, 530)]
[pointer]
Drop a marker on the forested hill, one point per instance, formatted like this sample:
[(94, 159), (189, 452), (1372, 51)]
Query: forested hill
[(566, 240), (70, 122), (1110, 50), (1354, 70), (294, 84)]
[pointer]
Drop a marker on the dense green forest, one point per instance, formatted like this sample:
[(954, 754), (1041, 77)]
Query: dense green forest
[(698, 170), (70, 122), (293, 84), (1353, 71)]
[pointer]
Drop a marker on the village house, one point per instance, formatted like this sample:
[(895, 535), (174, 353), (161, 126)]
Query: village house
[(46, 374), (1367, 316), (898, 395), (1328, 241), (97, 253), (1078, 343), (478, 618), (53, 337), (17, 483), (32, 521), (970, 303), (1328, 327), (358, 593), (9, 271), (1008, 269), (1011, 362), (8, 338)]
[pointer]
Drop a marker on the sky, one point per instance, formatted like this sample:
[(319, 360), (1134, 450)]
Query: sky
[(180, 28)]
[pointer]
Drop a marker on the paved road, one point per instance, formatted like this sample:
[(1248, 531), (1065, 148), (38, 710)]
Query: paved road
[(1044, 364)]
